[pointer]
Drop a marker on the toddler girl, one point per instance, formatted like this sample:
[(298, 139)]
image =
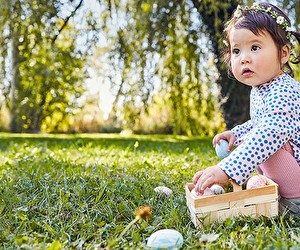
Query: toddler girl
[(259, 44)]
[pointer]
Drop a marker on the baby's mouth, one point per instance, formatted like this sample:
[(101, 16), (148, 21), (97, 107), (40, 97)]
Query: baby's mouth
[(246, 71)]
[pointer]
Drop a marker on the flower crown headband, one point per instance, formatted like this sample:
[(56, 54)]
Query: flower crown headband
[(280, 20)]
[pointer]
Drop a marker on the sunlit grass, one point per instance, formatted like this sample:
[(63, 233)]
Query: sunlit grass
[(81, 191)]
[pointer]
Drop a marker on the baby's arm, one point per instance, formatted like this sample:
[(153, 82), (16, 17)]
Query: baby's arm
[(214, 174), (240, 131), (235, 135)]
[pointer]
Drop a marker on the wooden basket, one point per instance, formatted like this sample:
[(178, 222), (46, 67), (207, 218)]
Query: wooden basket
[(252, 202)]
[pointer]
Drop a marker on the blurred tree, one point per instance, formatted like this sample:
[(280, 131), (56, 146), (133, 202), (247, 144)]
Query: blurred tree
[(52, 78), (236, 95), (174, 41), (158, 47), (42, 72)]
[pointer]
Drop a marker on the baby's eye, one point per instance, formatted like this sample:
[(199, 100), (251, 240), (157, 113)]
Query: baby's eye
[(235, 51), (255, 48)]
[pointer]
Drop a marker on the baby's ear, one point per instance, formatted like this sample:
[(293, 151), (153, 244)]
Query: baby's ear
[(285, 53)]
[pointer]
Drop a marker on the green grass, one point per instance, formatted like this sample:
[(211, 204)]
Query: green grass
[(81, 191)]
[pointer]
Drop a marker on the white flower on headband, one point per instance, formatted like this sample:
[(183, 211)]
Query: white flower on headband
[(238, 12), (280, 20)]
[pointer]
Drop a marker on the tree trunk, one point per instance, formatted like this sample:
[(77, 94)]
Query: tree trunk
[(15, 76), (237, 99), (234, 95)]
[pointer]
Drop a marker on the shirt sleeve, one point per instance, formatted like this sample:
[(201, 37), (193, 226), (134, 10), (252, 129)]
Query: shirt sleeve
[(274, 128), (241, 130)]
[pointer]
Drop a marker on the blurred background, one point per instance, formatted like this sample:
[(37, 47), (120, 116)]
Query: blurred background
[(131, 66)]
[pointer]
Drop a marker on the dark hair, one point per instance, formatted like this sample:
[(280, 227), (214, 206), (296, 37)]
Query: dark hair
[(258, 22)]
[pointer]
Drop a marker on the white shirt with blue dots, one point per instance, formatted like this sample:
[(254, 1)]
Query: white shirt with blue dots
[(275, 120)]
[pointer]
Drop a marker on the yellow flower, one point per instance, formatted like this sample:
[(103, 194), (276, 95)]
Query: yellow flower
[(143, 213)]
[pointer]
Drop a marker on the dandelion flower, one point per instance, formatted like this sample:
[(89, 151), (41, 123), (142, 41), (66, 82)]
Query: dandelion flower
[(142, 213)]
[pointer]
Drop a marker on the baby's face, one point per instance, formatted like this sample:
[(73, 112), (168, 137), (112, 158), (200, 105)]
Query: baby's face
[(254, 58)]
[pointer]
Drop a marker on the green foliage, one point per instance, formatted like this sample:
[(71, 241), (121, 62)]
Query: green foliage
[(52, 80), (176, 46), (161, 117), (80, 192), (296, 67), (159, 49), (46, 77)]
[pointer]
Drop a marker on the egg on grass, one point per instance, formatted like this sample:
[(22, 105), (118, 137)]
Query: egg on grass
[(165, 239), (163, 190)]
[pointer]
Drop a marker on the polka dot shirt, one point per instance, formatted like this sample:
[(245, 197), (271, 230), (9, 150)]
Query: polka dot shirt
[(275, 120)]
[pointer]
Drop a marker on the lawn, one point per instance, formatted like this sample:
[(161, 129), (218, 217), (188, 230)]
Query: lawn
[(81, 191)]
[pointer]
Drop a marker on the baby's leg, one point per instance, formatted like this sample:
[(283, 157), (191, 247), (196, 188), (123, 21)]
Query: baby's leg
[(283, 168)]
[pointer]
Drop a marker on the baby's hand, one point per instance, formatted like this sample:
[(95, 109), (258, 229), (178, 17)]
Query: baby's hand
[(227, 136), (209, 176)]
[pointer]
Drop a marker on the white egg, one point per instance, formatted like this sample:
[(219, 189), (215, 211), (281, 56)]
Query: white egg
[(163, 190), (217, 189)]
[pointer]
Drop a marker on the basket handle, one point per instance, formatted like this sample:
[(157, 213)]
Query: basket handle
[(235, 186)]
